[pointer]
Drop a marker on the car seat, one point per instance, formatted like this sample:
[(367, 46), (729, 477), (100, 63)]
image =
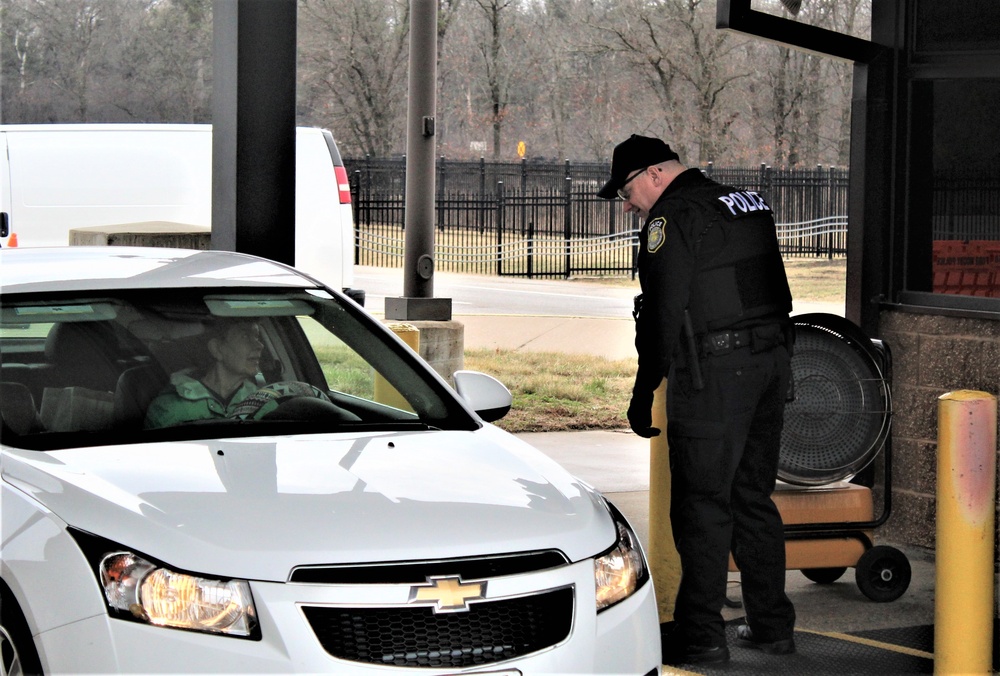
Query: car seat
[(135, 390), (17, 408)]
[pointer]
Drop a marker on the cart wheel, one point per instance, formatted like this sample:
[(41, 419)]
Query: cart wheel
[(823, 575), (883, 573)]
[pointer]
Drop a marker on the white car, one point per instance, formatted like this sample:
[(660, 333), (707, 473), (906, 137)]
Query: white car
[(352, 515)]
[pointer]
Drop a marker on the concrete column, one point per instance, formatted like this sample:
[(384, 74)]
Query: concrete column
[(253, 127)]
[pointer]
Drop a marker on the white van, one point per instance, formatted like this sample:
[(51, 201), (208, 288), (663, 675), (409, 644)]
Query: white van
[(58, 177)]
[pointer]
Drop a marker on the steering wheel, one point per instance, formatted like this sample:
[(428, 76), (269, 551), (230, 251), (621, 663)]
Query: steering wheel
[(271, 400)]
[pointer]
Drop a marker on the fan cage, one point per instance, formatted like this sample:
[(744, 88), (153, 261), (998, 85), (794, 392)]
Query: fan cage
[(839, 418)]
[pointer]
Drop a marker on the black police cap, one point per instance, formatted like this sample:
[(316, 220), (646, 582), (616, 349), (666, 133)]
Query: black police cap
[(635, 152)]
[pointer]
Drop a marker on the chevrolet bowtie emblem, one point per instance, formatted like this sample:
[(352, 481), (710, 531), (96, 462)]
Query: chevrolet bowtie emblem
[(447, 594)]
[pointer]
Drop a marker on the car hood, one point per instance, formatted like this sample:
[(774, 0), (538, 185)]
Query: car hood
[(257, 508)]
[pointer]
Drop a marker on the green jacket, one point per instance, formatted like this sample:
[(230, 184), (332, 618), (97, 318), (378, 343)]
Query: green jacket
[(188, 399)]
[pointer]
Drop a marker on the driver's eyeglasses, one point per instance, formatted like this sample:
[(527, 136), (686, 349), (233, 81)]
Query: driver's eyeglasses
[(626, 194)]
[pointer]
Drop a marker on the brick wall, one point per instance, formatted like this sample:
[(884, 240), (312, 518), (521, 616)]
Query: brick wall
[(932, 354)]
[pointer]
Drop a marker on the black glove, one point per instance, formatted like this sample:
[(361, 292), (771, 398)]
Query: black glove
[(640, 415)]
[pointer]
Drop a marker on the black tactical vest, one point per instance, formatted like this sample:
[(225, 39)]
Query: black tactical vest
[(746, 279)]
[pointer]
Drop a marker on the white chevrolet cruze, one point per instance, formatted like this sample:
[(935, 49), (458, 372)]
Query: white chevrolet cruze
[(345, 510)]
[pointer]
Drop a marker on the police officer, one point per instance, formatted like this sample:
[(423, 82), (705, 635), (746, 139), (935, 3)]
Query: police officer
[(713, 319)]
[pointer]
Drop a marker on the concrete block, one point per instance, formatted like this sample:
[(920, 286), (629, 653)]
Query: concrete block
[(913, 520), (931, 324), (905, 349), (954, 363), (418, 309), (442, 345), (914, 465), (915, 412), (149, 233)]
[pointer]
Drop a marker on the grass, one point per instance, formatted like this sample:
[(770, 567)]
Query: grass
[(554, 392), (817, 280), (558, 391)]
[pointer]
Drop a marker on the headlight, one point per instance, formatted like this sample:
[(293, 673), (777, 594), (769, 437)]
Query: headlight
[(167, 598), (621, 570)]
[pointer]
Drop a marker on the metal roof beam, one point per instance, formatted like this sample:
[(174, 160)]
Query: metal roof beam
[(736, 15)]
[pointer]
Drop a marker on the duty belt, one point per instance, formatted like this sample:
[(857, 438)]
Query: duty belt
[(723, 342)]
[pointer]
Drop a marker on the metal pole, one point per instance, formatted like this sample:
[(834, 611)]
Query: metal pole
[(966, 504), (418, 302), (418, 262), (567, 226), (501, 209)]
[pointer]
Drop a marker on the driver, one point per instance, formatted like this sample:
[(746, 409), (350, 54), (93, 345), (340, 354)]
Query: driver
[(215, 392)]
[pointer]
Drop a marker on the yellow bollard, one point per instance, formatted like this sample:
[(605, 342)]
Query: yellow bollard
[(384, 392), (966, 475), (664, 562)]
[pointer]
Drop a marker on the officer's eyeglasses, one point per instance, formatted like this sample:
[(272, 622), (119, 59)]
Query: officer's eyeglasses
[(626, 194)]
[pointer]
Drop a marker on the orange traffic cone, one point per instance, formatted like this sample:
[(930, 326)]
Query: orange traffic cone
[(12, 242)]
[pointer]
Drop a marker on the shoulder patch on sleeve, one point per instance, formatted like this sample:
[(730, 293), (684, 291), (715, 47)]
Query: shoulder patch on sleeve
[(655, 235)]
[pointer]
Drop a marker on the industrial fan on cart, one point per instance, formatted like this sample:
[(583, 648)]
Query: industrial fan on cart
[(837, 423)]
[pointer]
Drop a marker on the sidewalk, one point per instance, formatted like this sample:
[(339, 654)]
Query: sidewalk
[(608, 338), (617, 464)]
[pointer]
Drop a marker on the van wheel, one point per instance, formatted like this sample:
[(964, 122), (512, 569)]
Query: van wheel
[(17, 650)]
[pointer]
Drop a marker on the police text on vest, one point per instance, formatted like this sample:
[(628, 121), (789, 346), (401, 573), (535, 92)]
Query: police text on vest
[(744, 200)]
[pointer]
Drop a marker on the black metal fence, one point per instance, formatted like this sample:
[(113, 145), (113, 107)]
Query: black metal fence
[(540, 219), (966, 206)]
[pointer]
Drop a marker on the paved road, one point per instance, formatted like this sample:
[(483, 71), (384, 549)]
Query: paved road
[(481, 294), (486, 295)]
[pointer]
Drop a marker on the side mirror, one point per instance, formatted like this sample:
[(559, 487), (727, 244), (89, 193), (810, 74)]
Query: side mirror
[(485, 394)]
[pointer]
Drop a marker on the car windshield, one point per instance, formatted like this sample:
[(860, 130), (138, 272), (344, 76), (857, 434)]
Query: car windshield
[(189, 364)]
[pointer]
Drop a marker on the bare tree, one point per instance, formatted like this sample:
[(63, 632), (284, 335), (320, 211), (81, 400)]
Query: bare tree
[(447, 12), (182, 39), (786, 82), (114, 60), (800, 101), (19, 38), (165, 63), (852, 17), (352, 65), (569, 77), (688, 65), (67, 49), (564, 76), (493, 47)]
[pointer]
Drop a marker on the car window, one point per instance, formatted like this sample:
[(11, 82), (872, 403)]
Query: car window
[(202, 364), (344, 369)]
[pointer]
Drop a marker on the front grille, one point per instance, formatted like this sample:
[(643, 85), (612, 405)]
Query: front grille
[(489, 632), (417, 572)]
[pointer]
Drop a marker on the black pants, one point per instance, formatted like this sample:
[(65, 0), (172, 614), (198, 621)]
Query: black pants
[(724, 446)]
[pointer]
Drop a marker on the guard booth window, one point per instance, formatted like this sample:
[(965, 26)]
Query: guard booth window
[(967, 26), (953, 224)]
